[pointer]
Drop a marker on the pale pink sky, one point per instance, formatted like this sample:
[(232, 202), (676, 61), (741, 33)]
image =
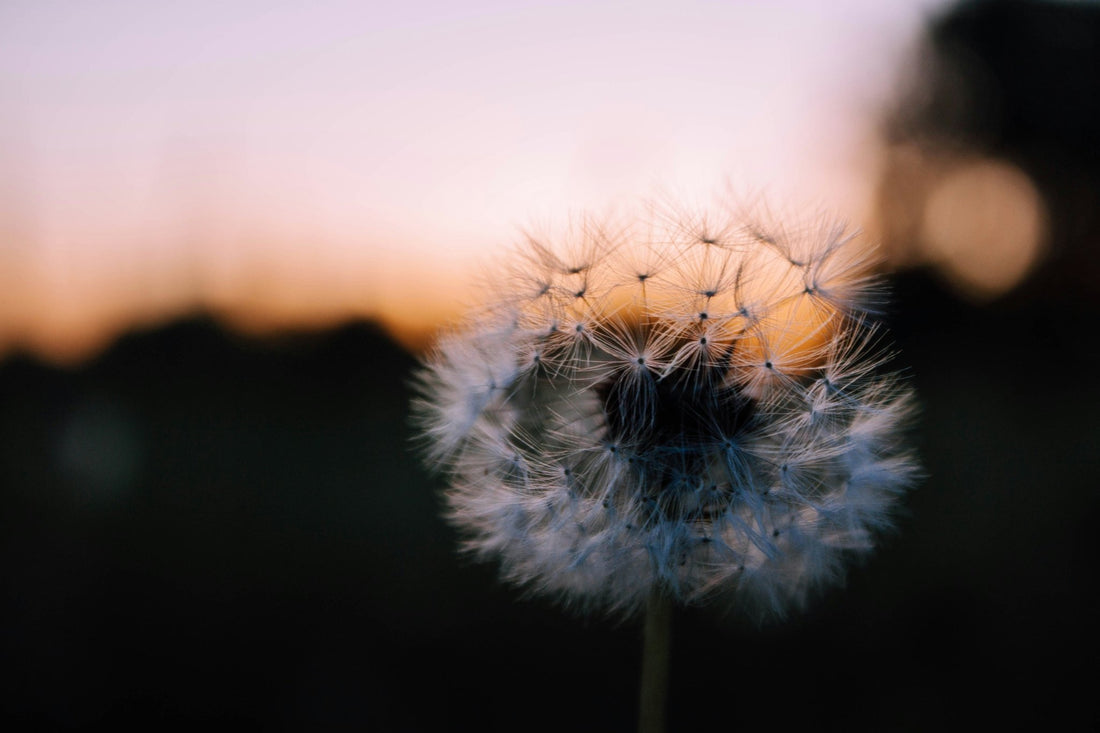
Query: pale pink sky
[(284, 162)]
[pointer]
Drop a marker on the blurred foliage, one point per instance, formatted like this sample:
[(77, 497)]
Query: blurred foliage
[(1014, 82)]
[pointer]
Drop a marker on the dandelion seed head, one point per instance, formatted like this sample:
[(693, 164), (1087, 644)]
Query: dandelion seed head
[(697, 406)]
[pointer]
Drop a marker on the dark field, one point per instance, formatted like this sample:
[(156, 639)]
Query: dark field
[(199, 527)]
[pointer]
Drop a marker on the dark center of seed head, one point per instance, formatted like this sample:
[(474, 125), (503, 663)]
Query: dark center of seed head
[(688, 411)]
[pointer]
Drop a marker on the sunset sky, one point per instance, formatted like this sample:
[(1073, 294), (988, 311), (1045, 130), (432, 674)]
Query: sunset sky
[(286, 164)]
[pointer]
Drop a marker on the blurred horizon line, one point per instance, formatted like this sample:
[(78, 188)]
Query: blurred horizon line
[(57, 349)]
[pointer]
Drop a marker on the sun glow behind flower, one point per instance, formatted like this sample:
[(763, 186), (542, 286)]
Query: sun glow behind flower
[(288, 164)]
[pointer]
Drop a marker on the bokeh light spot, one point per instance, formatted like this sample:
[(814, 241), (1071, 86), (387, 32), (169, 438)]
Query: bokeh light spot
[(984, 224)]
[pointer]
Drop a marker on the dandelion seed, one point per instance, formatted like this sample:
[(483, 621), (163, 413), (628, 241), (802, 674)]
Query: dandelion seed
[(698, 410)]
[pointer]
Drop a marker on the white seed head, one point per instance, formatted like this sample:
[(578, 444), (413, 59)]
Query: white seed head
[(693, 405)]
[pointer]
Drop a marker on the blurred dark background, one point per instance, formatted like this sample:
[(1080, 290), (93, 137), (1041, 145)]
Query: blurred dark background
[(202, 527)]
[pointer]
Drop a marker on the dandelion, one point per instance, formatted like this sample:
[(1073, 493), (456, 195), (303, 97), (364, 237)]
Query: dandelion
[(687, 408)]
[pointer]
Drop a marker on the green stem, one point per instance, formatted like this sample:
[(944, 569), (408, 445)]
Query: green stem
[(655, 656)]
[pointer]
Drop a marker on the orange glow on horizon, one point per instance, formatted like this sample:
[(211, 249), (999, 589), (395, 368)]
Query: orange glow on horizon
[(67, 327)]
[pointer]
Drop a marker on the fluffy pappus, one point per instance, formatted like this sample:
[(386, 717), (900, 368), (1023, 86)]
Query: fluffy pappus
[(697, 407)]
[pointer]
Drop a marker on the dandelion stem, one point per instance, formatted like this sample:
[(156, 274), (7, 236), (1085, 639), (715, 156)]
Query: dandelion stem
[(655, 657)]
